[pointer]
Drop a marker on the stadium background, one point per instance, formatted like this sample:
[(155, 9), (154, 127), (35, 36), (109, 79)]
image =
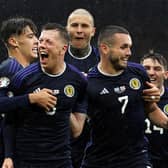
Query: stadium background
[(146, 20)]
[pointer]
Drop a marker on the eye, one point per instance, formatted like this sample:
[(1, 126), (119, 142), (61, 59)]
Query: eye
[(158, 69), (147, 67), (85, 25), (74, 25)]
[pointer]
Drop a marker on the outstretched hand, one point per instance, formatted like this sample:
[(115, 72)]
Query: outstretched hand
[(152, 94)]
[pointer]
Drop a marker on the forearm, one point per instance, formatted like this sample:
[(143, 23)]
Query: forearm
[(158, 117), (9, 140), (13, 103), (77, 123)]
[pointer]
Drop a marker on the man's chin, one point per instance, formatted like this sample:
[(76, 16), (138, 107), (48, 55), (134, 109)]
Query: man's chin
[(35, 56), (78, 45)]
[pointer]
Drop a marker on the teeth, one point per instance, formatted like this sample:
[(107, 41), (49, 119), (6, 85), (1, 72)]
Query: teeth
[(34, 49), (43, 55), (152, 79), (42, 52)]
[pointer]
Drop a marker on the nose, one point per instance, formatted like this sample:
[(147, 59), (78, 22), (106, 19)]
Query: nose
[(41, 44), (79, 29), (151, 71), (36, 39), (128, 52)]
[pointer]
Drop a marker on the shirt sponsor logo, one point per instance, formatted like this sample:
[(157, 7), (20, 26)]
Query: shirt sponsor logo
[(120, 89)]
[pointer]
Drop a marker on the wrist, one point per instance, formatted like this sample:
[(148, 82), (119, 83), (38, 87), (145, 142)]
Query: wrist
[(32, 98)]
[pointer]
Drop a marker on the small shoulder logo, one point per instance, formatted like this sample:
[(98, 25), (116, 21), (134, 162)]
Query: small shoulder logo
[(135, 83), (69, 90), (165, 109), (4, 82)]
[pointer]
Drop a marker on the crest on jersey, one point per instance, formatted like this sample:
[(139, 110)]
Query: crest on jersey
[(165, 109), (69, 90), (135, 83), (4, 82)]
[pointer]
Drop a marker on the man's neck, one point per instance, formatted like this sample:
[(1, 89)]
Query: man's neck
[(20, 58), (107, 69), (57, 71), (82, 52)]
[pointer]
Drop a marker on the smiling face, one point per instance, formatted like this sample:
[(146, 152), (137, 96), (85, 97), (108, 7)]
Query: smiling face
[(51, 50), (27, 43), (118, 51), (156, 71), (81, 29)]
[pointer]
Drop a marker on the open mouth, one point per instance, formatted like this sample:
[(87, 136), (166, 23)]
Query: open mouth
[(43, 55), (79, 38)]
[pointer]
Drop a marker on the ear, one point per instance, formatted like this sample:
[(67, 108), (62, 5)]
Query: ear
[(12, 41), (66, 27), (93, 31), (104, 48), (65, 47), (166, 75)]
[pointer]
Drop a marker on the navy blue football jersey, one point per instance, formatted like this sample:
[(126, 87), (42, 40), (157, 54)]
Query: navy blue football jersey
[(44, 136), (7, 69), (116, 111), (84, 64), (158, 137)]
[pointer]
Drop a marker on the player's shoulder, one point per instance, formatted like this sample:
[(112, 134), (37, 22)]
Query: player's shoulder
[(26, 72), (138, 70), (136, 67), (75, 71), (32, 68), (93, 72), (10, 66)]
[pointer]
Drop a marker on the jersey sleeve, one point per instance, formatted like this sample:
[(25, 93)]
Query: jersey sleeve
[(7, 101), (81, 103)]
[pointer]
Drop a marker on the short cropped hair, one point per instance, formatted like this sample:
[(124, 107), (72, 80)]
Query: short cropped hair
[(61, 29), (15, 26), (81, 11), (105, 35)]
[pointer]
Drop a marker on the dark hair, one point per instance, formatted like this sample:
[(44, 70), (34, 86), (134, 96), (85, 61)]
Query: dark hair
[(156, 57), (107, 32), (55, 26), (15, 26)]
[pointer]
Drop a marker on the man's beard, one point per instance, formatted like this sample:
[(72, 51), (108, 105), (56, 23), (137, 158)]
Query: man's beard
[(116, 64)]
